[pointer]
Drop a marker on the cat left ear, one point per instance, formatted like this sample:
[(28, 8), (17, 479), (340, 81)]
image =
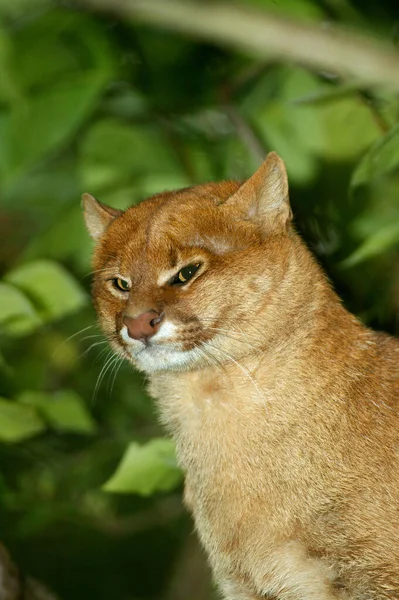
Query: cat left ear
[(264, 196), (97, 216)]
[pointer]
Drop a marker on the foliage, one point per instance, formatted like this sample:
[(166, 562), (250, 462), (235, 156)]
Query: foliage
[(90, 102), (146, 469)]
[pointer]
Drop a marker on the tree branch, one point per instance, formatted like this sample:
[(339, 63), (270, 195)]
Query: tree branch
[(265, 35), (13, 586)]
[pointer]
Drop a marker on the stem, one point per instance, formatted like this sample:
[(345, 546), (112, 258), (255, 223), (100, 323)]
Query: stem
[(266, 35)]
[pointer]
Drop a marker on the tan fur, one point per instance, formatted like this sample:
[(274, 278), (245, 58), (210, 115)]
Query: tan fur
[(285, 411)]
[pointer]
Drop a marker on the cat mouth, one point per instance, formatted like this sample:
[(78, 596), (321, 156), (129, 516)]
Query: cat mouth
[(135, 346), (151, 347), (172, 347), (153, 357), (170, 335), (158, 353)]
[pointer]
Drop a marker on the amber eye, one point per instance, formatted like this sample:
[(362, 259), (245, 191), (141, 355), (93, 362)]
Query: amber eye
[(121, 284), (185, 274)]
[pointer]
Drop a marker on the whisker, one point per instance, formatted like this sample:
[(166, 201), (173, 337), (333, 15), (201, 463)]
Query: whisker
[(213, 359), (227, 333), (70, 338), (225, 318), (108, 363), (105, 270), (88, 337), (116, 371), (237, 322), (91, 347), (103, 351), (111, 369), (244, 370)]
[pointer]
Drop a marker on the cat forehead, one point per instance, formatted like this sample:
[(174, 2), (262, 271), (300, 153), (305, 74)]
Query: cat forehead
[(183, 219), (179, 205)]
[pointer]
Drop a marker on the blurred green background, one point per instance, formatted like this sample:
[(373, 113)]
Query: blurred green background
[(90, 495)]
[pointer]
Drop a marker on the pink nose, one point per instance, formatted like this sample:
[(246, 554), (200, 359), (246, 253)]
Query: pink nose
[(144, 326)]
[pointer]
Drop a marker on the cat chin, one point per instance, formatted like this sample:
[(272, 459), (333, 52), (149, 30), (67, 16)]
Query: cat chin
[(155, 358)]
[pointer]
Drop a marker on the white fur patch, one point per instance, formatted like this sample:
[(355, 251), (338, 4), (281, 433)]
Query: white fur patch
[(162, 358), (166, 276), (217, 245), (165, 332), (291, 573)]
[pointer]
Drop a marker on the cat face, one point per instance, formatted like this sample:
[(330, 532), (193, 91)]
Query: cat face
[(180, 279)]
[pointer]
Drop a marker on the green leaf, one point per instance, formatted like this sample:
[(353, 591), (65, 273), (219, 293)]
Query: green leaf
[(114, 152), (146, 469), (65, 239), (349, 128), (127, 103), (17, 314), (75, 64), (49, 286), (294, 131), (153, 184), (55, 41), (339, 128), (18, 422), (46, 121), (19, 7), (44, 192), (281, 130), (325, 94), (382, 240), (63, 410), (9, 89), (382, 158), (4, 366)]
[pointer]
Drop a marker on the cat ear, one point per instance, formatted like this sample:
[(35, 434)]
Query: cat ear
[(264, 196), (97, 215)]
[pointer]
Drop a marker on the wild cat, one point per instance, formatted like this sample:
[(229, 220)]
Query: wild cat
[(282, 404)]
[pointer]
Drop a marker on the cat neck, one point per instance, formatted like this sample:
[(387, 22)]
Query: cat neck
[(308, 342), (306, 315)]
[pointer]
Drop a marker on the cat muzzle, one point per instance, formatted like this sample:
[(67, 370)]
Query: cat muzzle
[(144, 326)]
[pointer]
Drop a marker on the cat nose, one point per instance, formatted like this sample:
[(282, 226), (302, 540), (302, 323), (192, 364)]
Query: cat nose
[(144, 326)]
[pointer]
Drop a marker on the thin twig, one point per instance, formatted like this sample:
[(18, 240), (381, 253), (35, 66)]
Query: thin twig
[(264, 35), (246, 133)]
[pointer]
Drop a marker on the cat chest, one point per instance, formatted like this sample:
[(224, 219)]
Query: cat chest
[(243, 473), (222, 452), (214, 438), (219, 486), (228, 443)]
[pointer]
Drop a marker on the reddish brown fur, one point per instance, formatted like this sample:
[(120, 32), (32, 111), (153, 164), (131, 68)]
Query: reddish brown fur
[(286, 422)]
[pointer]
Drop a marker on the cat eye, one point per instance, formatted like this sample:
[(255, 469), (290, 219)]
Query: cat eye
[(121, 284), (185, 274)]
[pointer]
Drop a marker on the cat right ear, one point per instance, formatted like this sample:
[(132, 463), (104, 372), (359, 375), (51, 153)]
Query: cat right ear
[(97, 216), (264, 196)]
